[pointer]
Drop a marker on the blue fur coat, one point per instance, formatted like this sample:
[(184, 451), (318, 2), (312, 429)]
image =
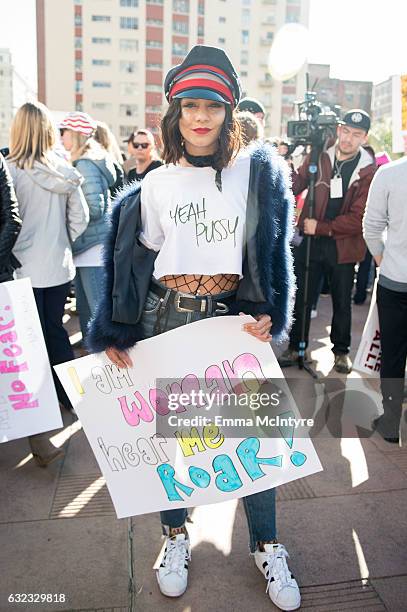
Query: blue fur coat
[(268, 283)]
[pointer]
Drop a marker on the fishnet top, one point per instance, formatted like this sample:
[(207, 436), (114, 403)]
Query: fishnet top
[(201, 284)]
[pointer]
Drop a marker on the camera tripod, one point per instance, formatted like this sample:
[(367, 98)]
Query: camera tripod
[(312, 170)]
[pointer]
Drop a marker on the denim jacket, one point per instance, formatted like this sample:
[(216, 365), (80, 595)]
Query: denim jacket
[(99, 175)]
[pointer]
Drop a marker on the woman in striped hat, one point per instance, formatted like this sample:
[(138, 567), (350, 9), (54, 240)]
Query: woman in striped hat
[(99, 174), (212, 229)]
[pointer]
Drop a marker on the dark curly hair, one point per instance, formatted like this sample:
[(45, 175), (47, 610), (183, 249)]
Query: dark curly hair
[(229, 139)]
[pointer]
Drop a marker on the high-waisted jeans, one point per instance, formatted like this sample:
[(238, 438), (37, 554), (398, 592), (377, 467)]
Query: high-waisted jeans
[(260, 508)]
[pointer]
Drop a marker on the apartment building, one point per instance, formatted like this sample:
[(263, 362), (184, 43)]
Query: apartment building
[(347, 94), (6, 95), (109, 57), (383, 100)]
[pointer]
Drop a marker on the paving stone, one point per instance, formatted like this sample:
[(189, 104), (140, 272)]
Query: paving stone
[(392, 592), (86, 560)]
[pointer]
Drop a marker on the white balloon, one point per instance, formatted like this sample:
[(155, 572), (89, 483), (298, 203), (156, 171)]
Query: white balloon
[(289, 51)]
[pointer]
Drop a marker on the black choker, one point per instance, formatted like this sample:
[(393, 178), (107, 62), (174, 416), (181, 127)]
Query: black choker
[(205, 161)]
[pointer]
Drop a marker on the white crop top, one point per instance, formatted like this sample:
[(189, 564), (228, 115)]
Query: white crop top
[(196, 228)]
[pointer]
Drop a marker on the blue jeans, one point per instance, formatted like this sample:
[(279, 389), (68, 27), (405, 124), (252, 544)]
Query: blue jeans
[(88, 291), (260, 508)]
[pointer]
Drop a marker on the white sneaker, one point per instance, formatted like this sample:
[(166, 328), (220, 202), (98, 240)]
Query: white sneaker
[(314, 314), (172, 575), (281, 585)]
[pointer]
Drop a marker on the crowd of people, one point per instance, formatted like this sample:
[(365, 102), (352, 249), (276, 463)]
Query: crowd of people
[(58, 226)]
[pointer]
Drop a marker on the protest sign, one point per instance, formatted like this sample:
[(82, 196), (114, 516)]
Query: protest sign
[(125, 416), (368, 356), (28, 401)]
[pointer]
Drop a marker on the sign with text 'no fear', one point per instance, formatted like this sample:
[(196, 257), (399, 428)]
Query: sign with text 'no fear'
[(162, 433), (28, 401)]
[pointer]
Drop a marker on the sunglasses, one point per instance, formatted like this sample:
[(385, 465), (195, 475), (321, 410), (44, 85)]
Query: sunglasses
[(140, 145)]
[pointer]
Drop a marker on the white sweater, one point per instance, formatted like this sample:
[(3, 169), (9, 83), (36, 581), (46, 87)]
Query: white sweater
[(54, 213), (385, 223)]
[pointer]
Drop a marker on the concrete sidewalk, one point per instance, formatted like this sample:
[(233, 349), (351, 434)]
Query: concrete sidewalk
[(345, 528)]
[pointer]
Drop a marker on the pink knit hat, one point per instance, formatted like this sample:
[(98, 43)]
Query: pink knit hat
[(78, 122)]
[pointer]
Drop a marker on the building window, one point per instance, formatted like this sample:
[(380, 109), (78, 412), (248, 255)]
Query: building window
[(128, 44), (180, 6), (222, 19), (125, 130), (243, 73), (179, 48), (291, 18), (155, 1), (155, 66), (105, 18), (78, 20), (129, 23), (101, 41), (128, 2), (154, 44), (180, 27), (201, 29), (246, 18), (221, 40), (201, 9), (78, 64), (151, 87), (78, 86), (128, 66), (128, 89), (101, 105), (78, 42), (128, 110), (101, 62), (244, 57), (154, 22), (104, 84), (153, 109), (245, 37)]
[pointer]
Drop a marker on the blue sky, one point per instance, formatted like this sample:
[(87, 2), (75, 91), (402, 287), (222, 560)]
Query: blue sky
[(361, 39)]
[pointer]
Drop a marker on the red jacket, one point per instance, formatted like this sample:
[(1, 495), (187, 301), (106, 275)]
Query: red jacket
[(346, 228)]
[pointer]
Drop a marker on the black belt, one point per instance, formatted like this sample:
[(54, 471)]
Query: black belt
[(186, 302)]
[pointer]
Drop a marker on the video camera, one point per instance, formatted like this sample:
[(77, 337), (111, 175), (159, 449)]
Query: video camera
[(315, 124)]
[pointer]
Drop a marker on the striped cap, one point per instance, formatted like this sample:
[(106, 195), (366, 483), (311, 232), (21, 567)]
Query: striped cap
[(78, 122), (205, 73)]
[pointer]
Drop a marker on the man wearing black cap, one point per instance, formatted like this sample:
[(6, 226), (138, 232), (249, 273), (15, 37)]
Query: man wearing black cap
[(254, 107), (345, 171)]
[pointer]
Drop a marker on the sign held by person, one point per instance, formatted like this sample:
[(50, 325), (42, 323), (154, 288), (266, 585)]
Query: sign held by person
[(368, 357), (161, 444), (28, 401)]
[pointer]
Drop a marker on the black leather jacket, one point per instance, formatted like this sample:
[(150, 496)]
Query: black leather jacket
[(10, 223)]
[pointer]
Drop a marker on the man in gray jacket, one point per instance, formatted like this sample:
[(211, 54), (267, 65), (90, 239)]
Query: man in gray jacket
[(385, 232)]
